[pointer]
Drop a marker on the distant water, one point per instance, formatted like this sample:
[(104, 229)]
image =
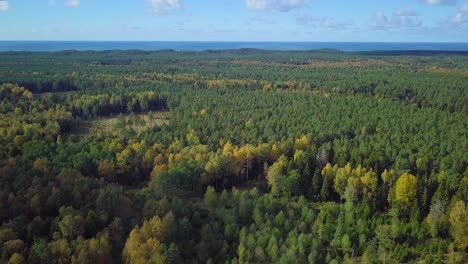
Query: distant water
[(198, 46)]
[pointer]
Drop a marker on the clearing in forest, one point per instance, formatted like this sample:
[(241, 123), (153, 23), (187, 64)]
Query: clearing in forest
[(114, 125)]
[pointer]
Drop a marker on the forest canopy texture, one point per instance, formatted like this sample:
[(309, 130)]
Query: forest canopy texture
[(237, 156)]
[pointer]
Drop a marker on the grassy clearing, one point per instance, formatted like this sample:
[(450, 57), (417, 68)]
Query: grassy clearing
[(115, 125)]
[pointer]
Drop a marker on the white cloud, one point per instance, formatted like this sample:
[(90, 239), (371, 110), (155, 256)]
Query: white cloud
[(405, 12), (461, 16), (72, 3), (261, 20), (159, 6), (276, 5), (464, 8), (329, 23), (52, 2), (395, 22), (458, 18), (4, 6), (380, 18), (438, 2), (324, 23), (303, 19)]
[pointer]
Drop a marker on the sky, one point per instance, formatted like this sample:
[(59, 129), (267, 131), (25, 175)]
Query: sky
[(236, 20)]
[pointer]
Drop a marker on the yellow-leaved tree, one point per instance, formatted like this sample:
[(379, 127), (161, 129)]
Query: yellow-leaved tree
[(302, 143), (276, 173), (406, 189), (459, 224), (145, 244)]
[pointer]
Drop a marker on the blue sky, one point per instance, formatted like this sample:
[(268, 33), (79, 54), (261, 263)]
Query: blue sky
[(236, 20)]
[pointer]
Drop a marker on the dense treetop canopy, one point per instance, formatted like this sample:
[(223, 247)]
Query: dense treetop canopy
[(240, 156)]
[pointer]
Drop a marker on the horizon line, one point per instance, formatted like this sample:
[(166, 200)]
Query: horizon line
[(238, 41)]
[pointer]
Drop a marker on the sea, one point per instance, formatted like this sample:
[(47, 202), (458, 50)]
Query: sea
[(37, 46)]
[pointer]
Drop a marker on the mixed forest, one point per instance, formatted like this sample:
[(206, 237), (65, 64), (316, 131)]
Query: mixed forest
[(235, 156)]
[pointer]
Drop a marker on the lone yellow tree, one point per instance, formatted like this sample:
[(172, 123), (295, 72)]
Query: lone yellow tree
[(406, 189), (459, 222), (146, 244)]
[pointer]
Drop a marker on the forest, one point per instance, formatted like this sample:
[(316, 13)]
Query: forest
[(233, 156)]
